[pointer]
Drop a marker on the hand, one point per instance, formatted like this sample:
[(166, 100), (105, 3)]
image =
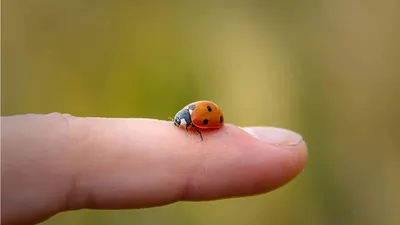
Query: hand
[(56, 162)]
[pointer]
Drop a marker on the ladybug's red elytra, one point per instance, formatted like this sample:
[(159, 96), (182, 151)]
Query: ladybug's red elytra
[(200, 115)]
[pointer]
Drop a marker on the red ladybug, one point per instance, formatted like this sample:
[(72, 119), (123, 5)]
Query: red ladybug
[(201, 115)]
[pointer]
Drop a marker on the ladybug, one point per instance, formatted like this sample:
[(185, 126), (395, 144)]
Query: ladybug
[(201, 115)]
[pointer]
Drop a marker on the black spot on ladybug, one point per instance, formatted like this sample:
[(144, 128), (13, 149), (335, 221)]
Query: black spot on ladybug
[(192, 107), (209, 108), (205, 121), (221, 119)]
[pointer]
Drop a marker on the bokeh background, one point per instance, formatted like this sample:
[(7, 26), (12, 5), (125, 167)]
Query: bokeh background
[(329, 70)]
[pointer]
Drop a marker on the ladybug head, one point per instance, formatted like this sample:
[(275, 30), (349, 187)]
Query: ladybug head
[(182, 118)]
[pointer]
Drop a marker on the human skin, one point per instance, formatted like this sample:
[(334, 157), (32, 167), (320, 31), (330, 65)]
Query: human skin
[(57, 162)]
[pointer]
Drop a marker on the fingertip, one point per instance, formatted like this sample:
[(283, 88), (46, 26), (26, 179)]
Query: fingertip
[(290, 144), (246, 161)]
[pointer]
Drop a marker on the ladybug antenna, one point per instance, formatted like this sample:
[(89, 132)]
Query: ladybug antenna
[(170, 118)]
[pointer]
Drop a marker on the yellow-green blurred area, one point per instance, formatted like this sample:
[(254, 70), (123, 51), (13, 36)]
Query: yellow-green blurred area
[(326, 69)]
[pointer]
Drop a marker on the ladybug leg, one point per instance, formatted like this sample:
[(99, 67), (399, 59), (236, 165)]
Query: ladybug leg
[(201, 136), (186, 127)]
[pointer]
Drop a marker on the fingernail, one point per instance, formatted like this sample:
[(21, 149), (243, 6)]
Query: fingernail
[(274, 135)]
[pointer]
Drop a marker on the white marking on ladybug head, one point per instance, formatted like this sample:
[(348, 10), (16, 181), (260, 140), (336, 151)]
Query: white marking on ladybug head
[(183, 122), (190, 111)]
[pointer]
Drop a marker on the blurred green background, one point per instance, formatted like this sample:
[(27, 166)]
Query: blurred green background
[(329, 70)]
